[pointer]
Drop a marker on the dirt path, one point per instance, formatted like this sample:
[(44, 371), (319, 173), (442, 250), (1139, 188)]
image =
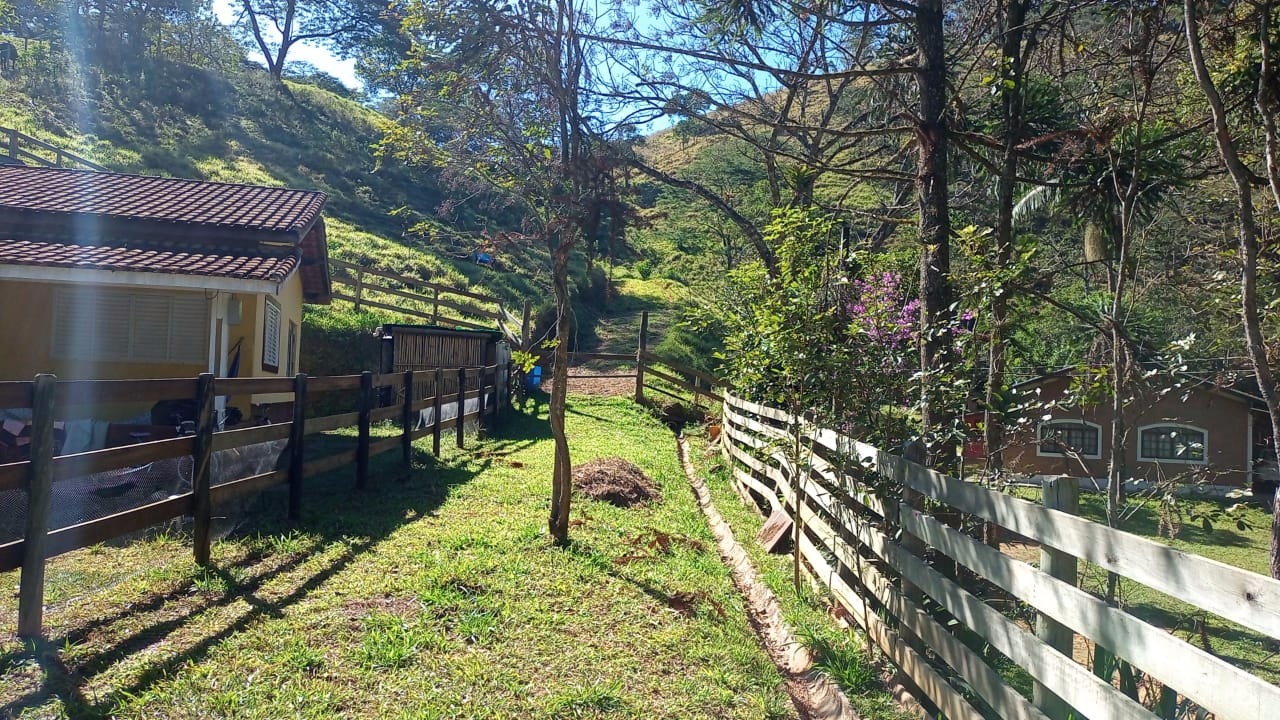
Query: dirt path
[(815, 696)]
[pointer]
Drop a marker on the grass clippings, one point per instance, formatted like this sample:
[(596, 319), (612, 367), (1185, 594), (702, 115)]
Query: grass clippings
[(615, 481)]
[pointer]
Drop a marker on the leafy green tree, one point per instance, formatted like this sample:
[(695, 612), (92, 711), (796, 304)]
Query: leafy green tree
[(275, 27)]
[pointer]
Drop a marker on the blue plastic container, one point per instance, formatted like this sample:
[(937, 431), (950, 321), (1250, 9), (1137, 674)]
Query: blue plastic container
[(534, 378)]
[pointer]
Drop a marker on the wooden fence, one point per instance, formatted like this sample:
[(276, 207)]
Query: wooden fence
[(47, 398), (935, 600), (435, 303), (26, 149), (649, 366)]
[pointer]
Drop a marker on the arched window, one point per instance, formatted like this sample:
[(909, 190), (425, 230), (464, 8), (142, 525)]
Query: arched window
[(1172, 442), (1069, 437)]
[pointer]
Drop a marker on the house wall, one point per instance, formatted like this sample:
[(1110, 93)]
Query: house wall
[(290, 299), (1225, 418), (26, 322), (26, 344)]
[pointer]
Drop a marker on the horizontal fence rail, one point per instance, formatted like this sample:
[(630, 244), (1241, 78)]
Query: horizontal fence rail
[(935, 600), (436, 303), (26, 149), (39, 476)]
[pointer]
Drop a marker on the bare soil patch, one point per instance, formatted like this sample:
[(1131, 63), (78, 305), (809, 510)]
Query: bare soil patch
[(615, 481), (598, 383)]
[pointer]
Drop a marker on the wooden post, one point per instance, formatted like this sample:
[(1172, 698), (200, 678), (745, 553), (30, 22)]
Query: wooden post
[(13, 144), (359, 288), (362, 445), (435, 307), (406, 423), (483, 406), (438, 389), (641, 346), (460, 426), (1063, 494), (58, 159), (526, 328), (202, 453), (297, 436), (39, 500)]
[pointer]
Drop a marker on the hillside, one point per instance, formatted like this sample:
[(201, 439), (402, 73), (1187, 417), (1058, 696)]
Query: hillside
[(233, 124)]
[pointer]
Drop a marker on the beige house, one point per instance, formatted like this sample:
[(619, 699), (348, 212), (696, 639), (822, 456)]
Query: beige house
[(1196, 432), (114, 276)]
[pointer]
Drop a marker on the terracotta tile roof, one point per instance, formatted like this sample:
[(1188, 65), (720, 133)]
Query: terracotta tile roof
[(65, 191), (99, 257)]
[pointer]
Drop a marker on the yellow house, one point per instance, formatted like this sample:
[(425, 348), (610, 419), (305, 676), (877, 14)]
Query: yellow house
[(115, 276)]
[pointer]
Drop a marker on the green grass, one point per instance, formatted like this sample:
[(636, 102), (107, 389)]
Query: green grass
[(436, 597), (837, 652)]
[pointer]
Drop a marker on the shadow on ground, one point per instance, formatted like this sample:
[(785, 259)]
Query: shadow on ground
[(149, 632)]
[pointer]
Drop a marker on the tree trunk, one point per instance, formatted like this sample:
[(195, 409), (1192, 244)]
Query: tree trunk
[(935, 222), (1248, 248), (1011, 102), (561, 475)]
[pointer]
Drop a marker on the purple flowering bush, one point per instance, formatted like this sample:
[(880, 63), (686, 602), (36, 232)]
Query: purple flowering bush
[(882, 313)]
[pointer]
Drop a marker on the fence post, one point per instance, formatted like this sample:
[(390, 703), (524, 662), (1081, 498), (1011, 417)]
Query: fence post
[(13, 144), (1063, 494), (526, 329), (482, 405), (359, 283), (459, 425), (438, 390), (641, 346), (435, 306), (406, 421), (39, 500), (297, 450), (202, 509), (362, 445)]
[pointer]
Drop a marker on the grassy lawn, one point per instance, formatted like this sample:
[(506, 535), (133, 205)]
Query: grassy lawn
[(433, 598)]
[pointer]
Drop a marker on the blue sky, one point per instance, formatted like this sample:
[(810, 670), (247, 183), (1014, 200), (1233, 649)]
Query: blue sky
[(344, 70)]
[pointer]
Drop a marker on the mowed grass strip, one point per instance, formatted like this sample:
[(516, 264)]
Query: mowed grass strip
[(440, 597)]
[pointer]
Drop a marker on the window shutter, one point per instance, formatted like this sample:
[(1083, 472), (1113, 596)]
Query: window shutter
[(271, 336), (189, 330), (115, 325)]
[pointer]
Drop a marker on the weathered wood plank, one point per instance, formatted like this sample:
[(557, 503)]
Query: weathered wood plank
[(330, 383), (985, 680), (77, 393), (66, 467), (251, 435), (415, 282), (323, 465), (15, 393), (93, 532), (678, 367), (384, 445), (442, 302), (252, 386), (329, 423), (1212, 683), (245, 487), (444, 321), (13, 476)]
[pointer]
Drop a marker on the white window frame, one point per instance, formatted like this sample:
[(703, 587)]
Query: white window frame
[(1067, 421), (1175, 461), (271, 331)]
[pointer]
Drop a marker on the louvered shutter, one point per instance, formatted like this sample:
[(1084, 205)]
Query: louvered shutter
[(271, 336)]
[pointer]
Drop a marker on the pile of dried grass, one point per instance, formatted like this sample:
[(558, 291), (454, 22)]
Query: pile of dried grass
[(615, 481)]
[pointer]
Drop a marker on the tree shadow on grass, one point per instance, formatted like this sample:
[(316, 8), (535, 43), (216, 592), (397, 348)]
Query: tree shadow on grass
[(335, 516)]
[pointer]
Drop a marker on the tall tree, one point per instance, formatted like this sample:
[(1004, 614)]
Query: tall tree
[(512, 80), (275, 27), (1243, 178)]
